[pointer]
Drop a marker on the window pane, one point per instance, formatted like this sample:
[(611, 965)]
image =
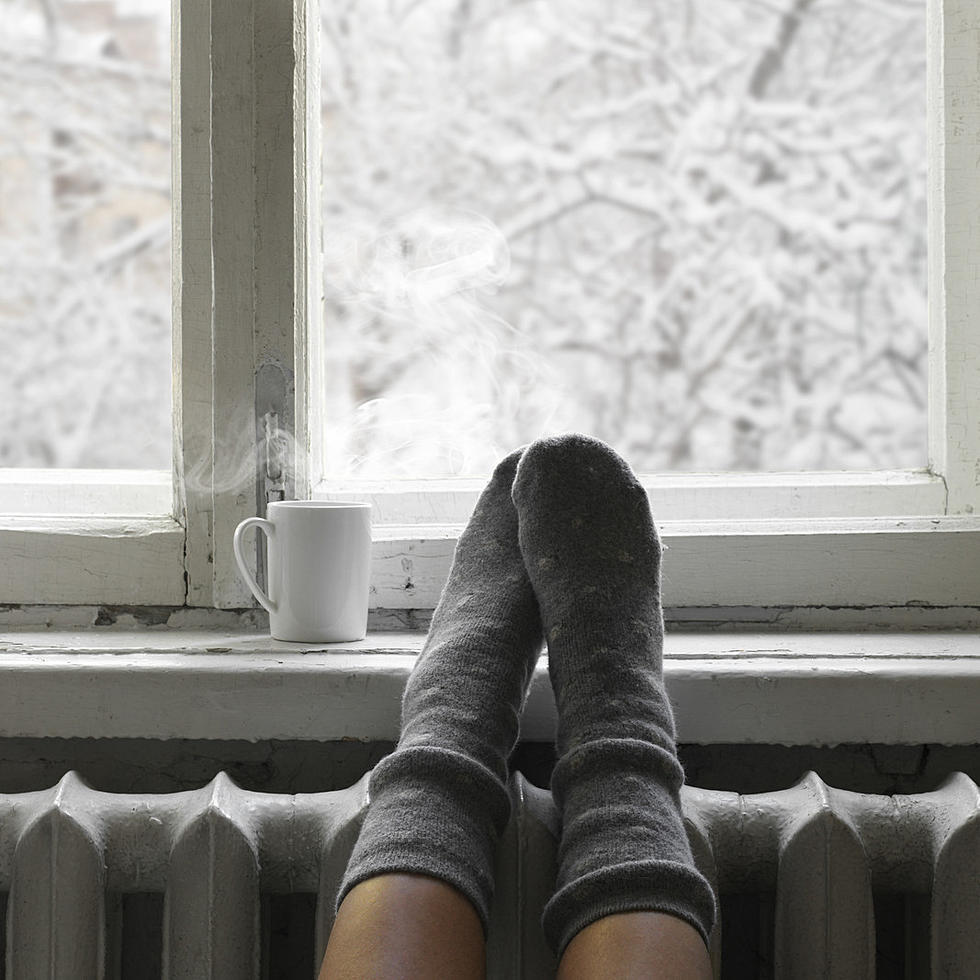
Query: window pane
[(696, 230), (85, 233)]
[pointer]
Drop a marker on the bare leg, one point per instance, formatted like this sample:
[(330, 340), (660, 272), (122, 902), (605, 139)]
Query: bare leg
[(395, 926), (636, 946)]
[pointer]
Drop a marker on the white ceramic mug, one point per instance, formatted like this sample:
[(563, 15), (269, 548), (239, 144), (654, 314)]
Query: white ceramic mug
[(319, 564)]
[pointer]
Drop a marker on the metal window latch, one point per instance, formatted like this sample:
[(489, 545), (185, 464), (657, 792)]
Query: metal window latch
[(275, 447), (275, 475)]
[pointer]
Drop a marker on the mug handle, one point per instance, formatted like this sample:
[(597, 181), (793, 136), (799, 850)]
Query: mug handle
[(270, 529)]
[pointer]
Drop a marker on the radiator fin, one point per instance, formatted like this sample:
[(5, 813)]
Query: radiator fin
[(824, 903), (337, 819), (56, 913), (956, 888), (212, 905), (699, 838)]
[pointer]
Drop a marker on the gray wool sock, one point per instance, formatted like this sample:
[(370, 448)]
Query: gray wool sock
[(439, 802), (593, 556)]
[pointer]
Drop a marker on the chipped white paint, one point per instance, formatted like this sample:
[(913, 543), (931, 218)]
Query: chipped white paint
[(260, 250), (717, 619), (829, 562), (264, 255), (127, 560), (794, 689), (193, 297)]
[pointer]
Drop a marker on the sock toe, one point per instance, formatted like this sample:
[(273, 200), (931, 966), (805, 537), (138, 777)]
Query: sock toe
[(585, 528), (572, 469), (506, 469)]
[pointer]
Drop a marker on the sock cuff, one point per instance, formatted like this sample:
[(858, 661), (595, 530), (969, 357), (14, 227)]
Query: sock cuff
[(616, 755), (462, 775), (637, 886), (433, 811)]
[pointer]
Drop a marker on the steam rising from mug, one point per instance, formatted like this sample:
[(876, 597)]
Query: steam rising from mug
[(419, 376), (241, 459), (415, 260), (422, 378)]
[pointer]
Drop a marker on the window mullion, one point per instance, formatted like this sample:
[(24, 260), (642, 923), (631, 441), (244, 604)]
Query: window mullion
[(261, 222), (954, 243), (193, 291), (234, 233), (307, 275)]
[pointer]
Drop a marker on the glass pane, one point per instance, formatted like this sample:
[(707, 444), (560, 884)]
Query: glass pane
[(696, 230), (85, 233)]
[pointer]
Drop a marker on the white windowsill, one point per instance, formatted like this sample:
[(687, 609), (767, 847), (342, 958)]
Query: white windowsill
[(781, 688), (61, 492)]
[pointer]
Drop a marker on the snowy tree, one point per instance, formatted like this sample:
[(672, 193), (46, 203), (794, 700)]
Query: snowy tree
[(85, 280), (696, 230), (714, 214)]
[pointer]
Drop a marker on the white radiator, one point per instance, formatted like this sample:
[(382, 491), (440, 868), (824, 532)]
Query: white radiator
[(223, 883)]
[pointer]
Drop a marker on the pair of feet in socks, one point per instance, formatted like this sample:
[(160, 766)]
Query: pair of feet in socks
[(562, 546)]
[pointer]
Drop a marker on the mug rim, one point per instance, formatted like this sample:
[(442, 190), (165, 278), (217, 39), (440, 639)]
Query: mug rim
[(349, 504)]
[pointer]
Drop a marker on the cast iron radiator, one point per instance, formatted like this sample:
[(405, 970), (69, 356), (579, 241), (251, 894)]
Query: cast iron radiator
[(223, 883)]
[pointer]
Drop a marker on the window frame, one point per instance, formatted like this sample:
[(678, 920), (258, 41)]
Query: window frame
[(247, 301), (245, 216), (876, 541)]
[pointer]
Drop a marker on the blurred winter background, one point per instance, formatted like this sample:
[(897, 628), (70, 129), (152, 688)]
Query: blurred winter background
[(85, 233), (694, 229)]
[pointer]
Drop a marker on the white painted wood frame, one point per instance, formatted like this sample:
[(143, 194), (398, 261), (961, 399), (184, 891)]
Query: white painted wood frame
[(247, 299), (900, 539), (265, 247), (193, 296), (265, 143), (246, 295), (769, 688)]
